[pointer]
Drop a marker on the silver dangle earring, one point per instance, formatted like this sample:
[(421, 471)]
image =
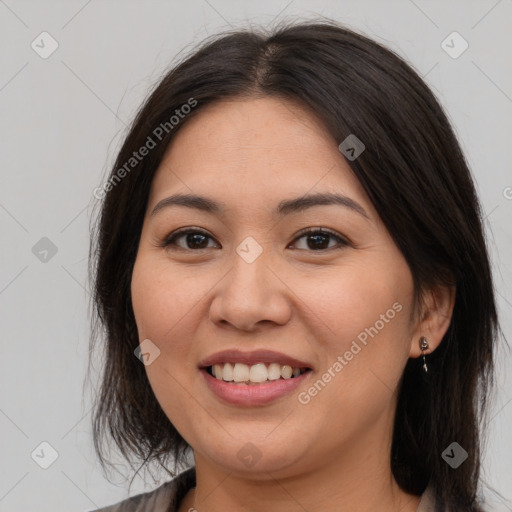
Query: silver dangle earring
[(424, 346)]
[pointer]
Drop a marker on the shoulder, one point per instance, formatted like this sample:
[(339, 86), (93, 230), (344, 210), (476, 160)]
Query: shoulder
[(432, 502), (428, 501), (165, 498)]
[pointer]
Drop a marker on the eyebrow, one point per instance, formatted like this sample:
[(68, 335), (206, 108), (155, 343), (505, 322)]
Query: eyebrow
[(286, 207)]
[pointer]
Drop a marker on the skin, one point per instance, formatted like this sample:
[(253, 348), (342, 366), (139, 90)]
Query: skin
[(333, 453)]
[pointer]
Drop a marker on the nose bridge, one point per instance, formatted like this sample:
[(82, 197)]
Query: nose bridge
[(250, 292), (249, 275)]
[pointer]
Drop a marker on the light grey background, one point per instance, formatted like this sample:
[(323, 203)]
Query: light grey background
[(62, 119)]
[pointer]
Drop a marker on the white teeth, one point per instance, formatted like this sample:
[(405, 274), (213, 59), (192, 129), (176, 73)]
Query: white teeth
[(286, 371), (274, 371), (258, 373), (240, 372), (217, 371), (227, 372), (255, 373)]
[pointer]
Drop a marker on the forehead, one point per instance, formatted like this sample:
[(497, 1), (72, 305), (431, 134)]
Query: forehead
[(254, 150)]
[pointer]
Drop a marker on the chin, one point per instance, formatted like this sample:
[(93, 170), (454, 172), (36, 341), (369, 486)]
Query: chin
[(256, 460)]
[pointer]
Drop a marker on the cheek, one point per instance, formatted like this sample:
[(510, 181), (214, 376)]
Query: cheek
[(163, 304), (161, 299), (361, 315), (351, 300)]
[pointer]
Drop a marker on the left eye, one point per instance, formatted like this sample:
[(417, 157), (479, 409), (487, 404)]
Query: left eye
[(317, 239)]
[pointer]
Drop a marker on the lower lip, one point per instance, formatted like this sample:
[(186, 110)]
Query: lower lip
[(253, 394)]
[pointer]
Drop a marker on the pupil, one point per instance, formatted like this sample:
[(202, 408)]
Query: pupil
[(318, 243), (193, 238)]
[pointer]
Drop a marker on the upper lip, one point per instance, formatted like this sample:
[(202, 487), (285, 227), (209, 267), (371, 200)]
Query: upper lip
[(250, 358)]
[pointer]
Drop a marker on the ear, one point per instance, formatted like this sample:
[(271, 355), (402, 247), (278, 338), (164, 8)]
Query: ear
[(435, 318)]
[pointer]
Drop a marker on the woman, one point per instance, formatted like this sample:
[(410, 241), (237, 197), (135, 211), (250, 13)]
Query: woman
[(292, 279)]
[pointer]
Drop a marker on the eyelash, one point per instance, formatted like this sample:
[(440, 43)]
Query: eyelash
[(171, 239)]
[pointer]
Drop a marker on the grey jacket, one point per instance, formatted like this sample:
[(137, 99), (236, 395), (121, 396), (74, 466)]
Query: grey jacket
[(168, 496)]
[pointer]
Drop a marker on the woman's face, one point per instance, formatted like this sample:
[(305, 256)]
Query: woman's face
[(250, 281)]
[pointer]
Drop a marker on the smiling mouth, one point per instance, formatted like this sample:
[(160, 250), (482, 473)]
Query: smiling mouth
[(260, 373)]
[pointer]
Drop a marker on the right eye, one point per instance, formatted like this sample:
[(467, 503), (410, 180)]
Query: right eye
[(194, 239)]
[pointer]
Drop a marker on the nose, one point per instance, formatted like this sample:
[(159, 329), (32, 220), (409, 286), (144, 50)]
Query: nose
[(250, 295)]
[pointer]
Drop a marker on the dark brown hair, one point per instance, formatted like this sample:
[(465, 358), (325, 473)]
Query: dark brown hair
[(415, 174)]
